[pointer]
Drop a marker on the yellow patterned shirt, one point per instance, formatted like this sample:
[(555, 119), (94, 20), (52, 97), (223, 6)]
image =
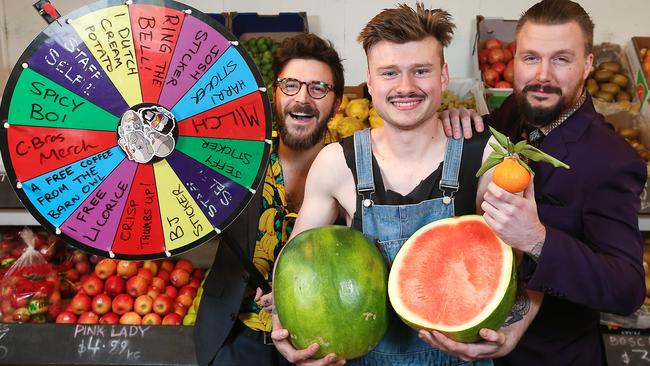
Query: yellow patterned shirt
[(274, 228)]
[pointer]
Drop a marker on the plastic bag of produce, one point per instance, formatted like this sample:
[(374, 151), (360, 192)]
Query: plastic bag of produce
[(30, 287)]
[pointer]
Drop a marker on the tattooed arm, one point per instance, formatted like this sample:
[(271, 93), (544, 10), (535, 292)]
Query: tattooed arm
[(494, 343)]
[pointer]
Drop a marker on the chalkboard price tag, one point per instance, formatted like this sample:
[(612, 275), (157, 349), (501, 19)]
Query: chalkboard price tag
[(627, 347), (95, 344)]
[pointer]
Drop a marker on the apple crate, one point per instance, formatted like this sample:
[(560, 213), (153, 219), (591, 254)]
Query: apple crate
[(487, 29), (640, 77), (277, 27)]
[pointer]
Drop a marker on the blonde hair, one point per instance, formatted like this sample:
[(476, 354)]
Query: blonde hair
[(405, 24)]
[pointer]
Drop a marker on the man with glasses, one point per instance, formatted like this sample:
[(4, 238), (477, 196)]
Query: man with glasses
[(232, 327)]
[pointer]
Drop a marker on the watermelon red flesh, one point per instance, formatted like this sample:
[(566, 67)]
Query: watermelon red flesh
[(330, 288), (454, 275)]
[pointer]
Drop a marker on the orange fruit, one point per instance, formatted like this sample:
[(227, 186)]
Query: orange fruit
[(511, 175)]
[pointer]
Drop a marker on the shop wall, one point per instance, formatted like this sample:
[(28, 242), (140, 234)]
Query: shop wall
[(341, 20)]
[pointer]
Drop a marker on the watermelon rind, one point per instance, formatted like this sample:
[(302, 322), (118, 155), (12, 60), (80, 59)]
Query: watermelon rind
[(494, 313), (330, 288)]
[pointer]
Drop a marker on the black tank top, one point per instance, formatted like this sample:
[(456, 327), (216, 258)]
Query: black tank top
[(464, 199)]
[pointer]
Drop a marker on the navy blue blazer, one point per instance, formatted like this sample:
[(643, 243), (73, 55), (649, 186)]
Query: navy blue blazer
[(592, 256)]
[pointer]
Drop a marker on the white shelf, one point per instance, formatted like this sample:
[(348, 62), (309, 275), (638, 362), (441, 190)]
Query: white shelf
[(16, 217)]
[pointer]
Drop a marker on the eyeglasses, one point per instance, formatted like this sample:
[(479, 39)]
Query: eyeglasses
[(315, 89)]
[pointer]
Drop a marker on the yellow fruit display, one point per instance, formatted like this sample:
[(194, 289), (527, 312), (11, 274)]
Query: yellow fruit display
[(348, 126), (358, 108), (451, 100), (344, 103)]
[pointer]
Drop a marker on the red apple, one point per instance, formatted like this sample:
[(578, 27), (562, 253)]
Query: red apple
[(66, 317), (482, 56), (131, 317), (184, 300), (150, 265), (122, 303), (92, 285), (166, 265), (492, 43), (496, 55), (490, 77), (184, 264), (143, 304), (79, 256), (507, 55), (502, 84), (126, 269), (88, 318), (172, 319), (153, 292), (136, 286), (5, 306), (171, 291), (179, 277), (71, 275), (151, 319), (101, 304), (114, 285), (163, 304), (194, 282), (498, 67), (106, 267), (94, 259), (164, 275), (188, 290), (512, 47), (80, 303), (146, 274), (53, 311), (198, 273), (55, 297), (83, 267), (180, 309), (158, 283), (509, 72), (109, 318)]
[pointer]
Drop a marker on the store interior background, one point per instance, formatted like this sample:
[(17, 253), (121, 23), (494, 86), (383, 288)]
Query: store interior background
[(341, 20)]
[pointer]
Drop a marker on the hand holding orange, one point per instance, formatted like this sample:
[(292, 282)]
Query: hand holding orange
[(511, 172)]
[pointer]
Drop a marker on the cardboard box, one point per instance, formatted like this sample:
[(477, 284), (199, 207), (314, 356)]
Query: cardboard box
[(503, 30), (638, 122), (277, 27), (639, 77)]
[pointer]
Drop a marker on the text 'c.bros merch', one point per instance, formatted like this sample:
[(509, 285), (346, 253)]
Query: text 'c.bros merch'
[(135, 129)]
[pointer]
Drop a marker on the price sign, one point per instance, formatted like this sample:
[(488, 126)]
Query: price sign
[(628, 347)]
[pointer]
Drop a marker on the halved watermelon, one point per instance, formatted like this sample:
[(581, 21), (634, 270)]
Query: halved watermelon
[(455, 276)]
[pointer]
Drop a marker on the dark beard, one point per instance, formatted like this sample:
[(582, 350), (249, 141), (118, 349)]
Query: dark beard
[(303, 143), (540, 117)]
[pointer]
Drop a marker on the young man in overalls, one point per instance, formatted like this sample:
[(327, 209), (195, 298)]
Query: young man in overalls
[(392, 180)]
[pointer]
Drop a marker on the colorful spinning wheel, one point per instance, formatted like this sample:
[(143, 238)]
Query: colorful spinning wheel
[(135, 129)]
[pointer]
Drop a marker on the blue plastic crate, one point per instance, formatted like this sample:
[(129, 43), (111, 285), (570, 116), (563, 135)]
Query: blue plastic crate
[(243, 23), (222, 18)]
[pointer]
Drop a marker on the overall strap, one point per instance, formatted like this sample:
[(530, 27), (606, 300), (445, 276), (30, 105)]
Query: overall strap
[(363, 161), (451, 168)]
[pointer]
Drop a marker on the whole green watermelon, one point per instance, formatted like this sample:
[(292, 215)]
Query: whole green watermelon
[(330, 288)]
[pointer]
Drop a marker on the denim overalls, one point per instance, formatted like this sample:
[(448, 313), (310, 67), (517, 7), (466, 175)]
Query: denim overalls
[(391, 225)]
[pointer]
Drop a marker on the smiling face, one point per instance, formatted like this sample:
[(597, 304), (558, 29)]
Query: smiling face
[(551, 65), (406, 81), (302, 120)]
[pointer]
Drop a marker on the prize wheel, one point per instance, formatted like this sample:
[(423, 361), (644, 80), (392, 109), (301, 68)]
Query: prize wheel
[(135, 129)]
